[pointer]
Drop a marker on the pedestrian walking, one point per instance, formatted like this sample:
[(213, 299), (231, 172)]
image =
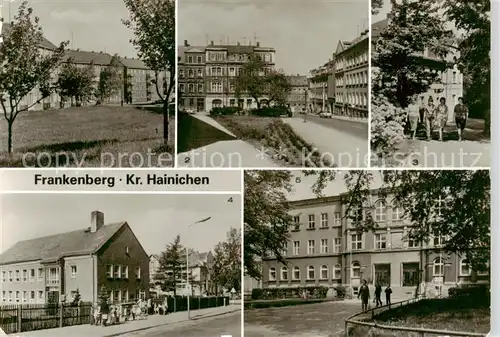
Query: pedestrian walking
[(461, 113), (441, 116), (364, 293), (413, 116), (104, 312), (429, 116), (378, 293), (388, 292)]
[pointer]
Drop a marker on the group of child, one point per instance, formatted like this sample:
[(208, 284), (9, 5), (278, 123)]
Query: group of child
[(364, 294), (105, 314)]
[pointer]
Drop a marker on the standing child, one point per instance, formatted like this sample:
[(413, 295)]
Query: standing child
[(388, 292)]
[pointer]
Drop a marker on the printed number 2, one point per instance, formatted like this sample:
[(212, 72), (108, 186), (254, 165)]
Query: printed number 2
[(229, 200)]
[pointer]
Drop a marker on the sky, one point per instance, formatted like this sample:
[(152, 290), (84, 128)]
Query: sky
[(302, 185), (304, 33), (155, 219), (386, 8), (86, 25)]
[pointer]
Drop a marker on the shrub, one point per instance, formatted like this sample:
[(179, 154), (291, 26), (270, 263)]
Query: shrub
[(340, 291), (475, 292), (279, 303), (269, 112), (386, 126), (289, 292), (230, 110)]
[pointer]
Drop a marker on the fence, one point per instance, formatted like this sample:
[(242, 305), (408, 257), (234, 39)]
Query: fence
[(357, 320), (179, 303), (28, 317)]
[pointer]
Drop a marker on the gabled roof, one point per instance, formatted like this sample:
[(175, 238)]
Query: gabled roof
[(53, 247), (88, 57), (44, 43), (133, 63)]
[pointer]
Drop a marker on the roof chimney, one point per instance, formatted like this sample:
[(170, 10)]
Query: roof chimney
[(211, 43), (258, 44), (238, 43), (186, 44), (96, 221)]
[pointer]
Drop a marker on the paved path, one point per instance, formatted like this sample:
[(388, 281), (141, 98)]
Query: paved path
[(308, 320), (338, 147), (227, 325), (87, 330), (355, 127)]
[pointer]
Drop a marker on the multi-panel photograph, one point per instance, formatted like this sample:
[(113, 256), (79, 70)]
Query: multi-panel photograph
[(231, 168)]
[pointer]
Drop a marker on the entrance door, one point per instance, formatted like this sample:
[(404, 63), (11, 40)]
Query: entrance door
[(200, 104), (53, 296), (410, 274), (383, 274)]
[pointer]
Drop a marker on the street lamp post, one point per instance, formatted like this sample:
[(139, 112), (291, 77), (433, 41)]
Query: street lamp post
[(187, 269)]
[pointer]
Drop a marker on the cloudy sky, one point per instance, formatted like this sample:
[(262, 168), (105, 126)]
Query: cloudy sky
[(305, 33), (302, 187), (95, 25), (155, 219)]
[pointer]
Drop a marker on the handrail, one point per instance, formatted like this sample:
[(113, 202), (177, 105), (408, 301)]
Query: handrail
[(350, 320)]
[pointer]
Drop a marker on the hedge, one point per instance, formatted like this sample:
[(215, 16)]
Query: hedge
[(477, 292), (229, 110), (270, 112), (289, 292), (279, 303)]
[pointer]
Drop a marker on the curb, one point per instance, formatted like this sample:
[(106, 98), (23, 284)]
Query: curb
[(163, 324)]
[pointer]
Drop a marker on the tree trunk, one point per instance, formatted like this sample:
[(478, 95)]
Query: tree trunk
[(9, 141), (165, 122)]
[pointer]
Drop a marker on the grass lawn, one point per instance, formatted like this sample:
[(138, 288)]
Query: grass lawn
[(438, 314), (193, 133), (107, 136), (271, 133)]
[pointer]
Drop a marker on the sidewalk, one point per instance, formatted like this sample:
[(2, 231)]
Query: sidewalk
[(340, 148), (152, 321)]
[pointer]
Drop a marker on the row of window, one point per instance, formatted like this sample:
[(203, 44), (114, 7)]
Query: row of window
[(220, 57), (192, 88), (22, 296), (437, 271), (121, 272), (352, 61), (359, 78), (34, 275)]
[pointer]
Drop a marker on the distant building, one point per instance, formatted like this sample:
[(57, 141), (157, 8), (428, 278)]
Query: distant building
[(450, 85), (324, 249), (298, 95), (191, 77), (91, 259), (351, 77), (139, 82), (318, 88)]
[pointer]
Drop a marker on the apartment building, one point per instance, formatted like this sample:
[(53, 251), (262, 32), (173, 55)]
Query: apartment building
[(297, 98), (450, 84), (223, 64), (318, 88), (351, 77), (139, 82), (53, 268), (191, 77), (324, 249)]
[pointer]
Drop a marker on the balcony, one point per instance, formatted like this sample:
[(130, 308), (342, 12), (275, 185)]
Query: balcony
[(53, 282)]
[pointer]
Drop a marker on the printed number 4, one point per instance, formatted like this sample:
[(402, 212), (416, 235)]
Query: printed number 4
[(229, 200)]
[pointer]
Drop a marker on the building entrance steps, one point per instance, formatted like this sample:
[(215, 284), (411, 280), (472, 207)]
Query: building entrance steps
[(130, 326)]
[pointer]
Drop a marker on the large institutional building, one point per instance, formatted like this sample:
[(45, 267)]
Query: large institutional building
[(450, 85), (206, 74), (325, 250), (95, 258)]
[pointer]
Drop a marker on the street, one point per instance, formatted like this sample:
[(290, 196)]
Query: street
[(225, 325), (310, 320), (354, 128)]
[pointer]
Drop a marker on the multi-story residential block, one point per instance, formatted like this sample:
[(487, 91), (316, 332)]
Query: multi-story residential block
[(139, 82), (318, 88), (222, 64), (298, 94), (450, 84), (55, 267), (325, 249), (191, 77), (351, 77)]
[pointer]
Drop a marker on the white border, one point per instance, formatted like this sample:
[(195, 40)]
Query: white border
[(175, 80), (369, 164), (242, 286)]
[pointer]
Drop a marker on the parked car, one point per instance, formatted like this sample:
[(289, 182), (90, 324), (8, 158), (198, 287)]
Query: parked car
[(190, 111), (325, 114)]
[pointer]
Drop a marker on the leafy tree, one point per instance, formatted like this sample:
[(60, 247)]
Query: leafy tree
[(472, 18), (75, 83), (414, 26), (25, 67), (172, 263), (464, 219), (226, 269), (258, 80), (110, 79), (386, 126), (376, 6), (153, 24)]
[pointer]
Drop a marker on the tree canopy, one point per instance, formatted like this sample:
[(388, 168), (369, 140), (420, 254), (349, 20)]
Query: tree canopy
[(110, 79), (25, 66), (76, 83), (258, 80), (172, 263), (463, 216), (226, 268)]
